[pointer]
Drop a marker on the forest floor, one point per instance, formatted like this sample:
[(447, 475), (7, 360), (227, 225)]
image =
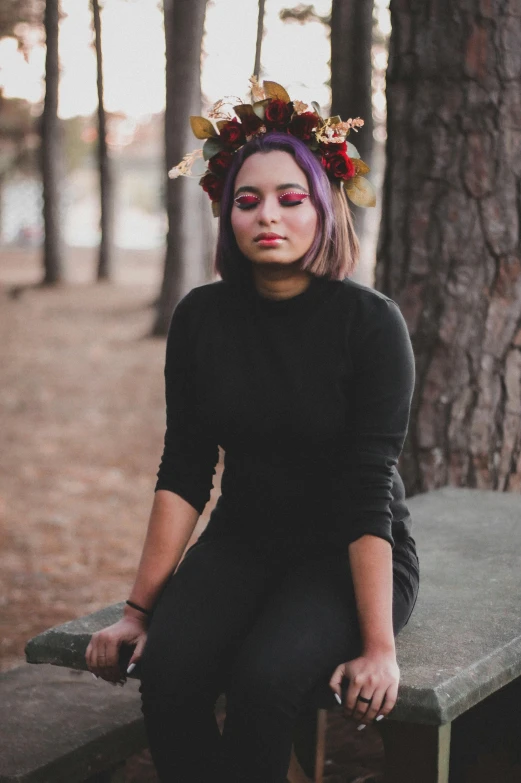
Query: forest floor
[(82, 422)]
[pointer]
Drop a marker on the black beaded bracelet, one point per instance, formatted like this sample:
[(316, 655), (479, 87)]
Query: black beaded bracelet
[(139, 608)]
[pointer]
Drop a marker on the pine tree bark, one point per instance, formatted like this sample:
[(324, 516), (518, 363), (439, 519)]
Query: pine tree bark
[(106, 248), (187, 260), (51, 153), (449, 249)]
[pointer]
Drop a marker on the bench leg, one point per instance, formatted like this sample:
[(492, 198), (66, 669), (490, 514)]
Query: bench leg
[(309, 745), (416, 753)]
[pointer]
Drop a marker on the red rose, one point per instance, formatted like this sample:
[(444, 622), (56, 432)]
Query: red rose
[(277, 115), (212, 185), (232, 134), (336, 161), (221, 162), (333, 148), (302, 125), (251, 124)]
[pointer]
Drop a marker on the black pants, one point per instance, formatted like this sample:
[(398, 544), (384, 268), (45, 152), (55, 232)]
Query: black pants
[(266, 630)]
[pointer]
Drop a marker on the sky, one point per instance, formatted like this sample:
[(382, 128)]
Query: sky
[(133, 51)]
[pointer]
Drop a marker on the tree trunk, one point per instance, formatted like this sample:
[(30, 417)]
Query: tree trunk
[(51, 153), (351, 68), (260, 35), (188, 207), (106, 248), (449, 249)]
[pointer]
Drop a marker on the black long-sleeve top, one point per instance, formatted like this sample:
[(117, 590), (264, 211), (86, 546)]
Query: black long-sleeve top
[(308, 396)]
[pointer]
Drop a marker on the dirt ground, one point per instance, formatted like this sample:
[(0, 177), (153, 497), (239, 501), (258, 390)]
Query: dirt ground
[(82, 422)]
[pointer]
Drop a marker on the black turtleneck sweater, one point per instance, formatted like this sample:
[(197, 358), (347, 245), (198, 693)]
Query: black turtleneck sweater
[(308, 396)]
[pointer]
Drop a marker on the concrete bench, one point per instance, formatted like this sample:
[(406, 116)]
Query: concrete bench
[(460, 654), (60, 726)]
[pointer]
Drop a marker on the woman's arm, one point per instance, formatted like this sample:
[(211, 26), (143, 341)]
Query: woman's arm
[(182, 491), (371, 564), (374, 674), (172, 521), (380, 394)]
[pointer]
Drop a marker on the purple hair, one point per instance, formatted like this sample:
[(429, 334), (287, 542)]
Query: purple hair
[(229, 261)]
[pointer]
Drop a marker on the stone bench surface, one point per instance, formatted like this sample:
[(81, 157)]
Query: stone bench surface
[(463, 641), (64, 726)]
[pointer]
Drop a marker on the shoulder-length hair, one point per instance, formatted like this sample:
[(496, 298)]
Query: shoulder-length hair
[(334, 251)]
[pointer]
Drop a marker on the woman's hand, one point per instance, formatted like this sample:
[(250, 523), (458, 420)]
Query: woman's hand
[(102, 654), (373, 676)]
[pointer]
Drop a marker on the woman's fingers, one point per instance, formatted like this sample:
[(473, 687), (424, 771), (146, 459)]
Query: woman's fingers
[(391, 697), (335, 683), (138, 652), (374, 707), (92, 654), (108, 661), (102, 653), (102, 656), (373, 686), (364, 702), (355, 687), (382, 701)]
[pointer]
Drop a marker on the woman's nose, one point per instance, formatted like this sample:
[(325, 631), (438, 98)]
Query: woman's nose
[(269, 211)]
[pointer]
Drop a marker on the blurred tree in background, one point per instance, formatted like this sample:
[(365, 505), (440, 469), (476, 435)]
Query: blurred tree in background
[(106, 248), (351, 67), (15, 14), (350, 27), (187, 258), (260, 35), (52, 153)]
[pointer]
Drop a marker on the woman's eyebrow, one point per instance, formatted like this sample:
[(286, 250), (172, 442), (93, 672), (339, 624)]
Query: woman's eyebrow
[(251, 188)]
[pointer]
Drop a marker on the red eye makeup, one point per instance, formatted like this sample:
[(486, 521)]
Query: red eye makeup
[(288, 199), (292, 197), (246, 200)]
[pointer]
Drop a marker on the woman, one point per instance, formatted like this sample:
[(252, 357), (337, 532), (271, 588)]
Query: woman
[(306, 570)]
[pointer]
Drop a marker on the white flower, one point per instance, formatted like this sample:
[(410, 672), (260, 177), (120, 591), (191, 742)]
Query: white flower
[(257, 92), (217, 111), (184, 168), (299, 107)]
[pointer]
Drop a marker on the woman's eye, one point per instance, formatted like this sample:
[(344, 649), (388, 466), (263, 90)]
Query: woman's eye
[(292, 199), (246, 202)]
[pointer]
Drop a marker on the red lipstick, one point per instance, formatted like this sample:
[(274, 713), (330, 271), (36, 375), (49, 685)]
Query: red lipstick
[(268, 239)]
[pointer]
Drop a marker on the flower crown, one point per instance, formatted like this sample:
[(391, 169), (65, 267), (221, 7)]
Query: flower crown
[(273, 110)]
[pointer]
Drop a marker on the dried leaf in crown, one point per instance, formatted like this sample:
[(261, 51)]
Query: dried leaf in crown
[(360, 191)]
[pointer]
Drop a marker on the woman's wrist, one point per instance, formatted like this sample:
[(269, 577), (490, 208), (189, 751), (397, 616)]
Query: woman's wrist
[(135, 614), (138, 607), (379, 648)]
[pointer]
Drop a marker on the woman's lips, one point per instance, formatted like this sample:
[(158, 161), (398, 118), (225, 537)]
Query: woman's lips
[(269, 241)]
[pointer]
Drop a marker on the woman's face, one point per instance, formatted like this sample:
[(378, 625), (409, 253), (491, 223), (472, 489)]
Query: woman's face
[(272, 217)]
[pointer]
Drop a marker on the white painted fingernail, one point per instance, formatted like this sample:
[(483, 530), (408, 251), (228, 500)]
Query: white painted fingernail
[(94, 675), (362, 726), (380, 717), (131, 668), (337, 697)]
